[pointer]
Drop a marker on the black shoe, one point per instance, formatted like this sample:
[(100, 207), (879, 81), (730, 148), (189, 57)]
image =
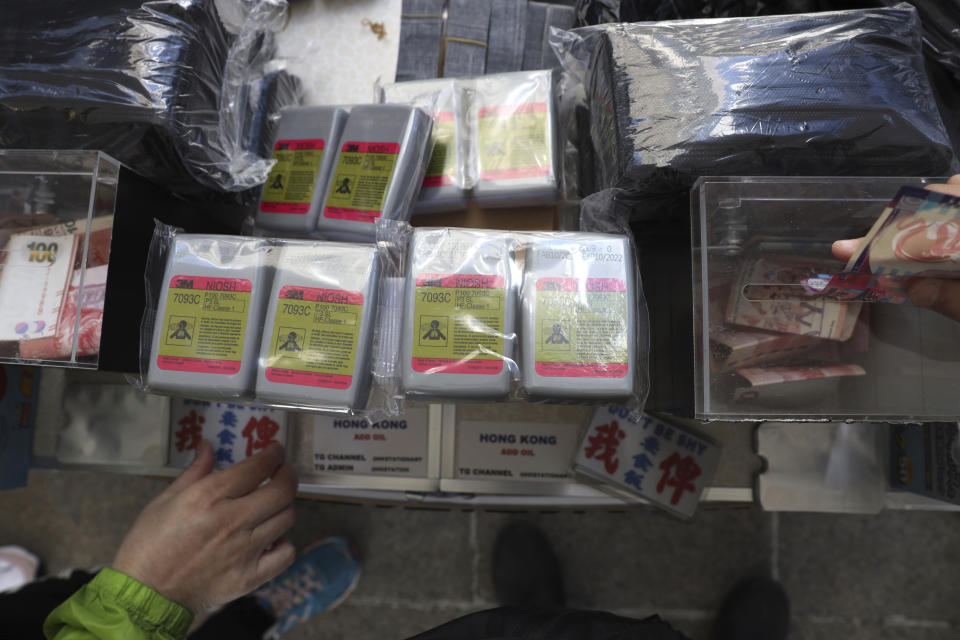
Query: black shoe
[(525, 569), (756, 609)]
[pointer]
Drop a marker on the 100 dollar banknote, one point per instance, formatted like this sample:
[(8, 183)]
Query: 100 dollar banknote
[(916, 236)]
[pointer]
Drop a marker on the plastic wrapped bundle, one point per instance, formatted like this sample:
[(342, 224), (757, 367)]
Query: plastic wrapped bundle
[(840, 93), (448, 175), (600, 11), (940, 23), (161, 86), (941, 26)]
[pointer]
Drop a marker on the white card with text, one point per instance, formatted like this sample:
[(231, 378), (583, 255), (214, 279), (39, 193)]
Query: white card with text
[(391, 447), (514, 450)]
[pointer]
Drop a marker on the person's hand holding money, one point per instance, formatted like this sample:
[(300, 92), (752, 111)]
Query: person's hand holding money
[(940, 295)]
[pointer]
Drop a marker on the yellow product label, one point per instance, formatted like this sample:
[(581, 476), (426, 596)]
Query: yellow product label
[(204, 324), (513, 141), (315, 333), (442, 170), (361, 179), (458, 324), (289, 187), (581, 328)]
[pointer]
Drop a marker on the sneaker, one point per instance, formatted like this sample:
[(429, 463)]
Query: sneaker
[(756, 609), (17, 568), (320, 579), (526, 571)]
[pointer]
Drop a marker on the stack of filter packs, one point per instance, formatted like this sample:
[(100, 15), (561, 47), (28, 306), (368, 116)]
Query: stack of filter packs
[(499, 315), (545, 316), (839, 93), (446, 183), (339, 169), (495, 142), (288, 321)]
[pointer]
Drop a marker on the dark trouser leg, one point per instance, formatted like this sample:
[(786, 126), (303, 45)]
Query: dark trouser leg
[(22, 612), (556, 624), (242, 619)]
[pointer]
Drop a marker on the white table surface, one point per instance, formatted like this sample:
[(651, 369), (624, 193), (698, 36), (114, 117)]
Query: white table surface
[(337, 56)]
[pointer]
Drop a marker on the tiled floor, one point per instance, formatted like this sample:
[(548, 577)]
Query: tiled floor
[(851, 577)]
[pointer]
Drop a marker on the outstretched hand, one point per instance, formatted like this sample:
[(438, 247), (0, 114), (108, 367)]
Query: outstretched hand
[(211, 538), (940, 295)]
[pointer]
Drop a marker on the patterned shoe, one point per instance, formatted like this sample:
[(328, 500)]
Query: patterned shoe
[(320, 579)]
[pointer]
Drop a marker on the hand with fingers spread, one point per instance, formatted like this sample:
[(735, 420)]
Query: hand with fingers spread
[(940, 295), (211, 538)]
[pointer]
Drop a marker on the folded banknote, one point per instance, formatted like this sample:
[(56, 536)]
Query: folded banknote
[(916, 236), (769, 296)]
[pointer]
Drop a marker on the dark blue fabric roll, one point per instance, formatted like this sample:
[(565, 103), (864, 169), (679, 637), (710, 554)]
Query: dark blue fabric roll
[(840, 93)]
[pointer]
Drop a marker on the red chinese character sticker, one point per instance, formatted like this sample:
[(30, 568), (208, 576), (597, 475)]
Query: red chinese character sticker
[(191, 431), (260, 432), (603, 446), (678, 473)]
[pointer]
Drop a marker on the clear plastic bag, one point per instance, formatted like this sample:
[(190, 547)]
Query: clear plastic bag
[(506, 316), (449, 175), (505, 138), (459, 332), (381, 158), (841, 93), (940, 23), (230, 160), (290, 323), (210, 302), (513, 126), (304, 150), (319, 325), (162, 87), (339, 169), (939, 19)]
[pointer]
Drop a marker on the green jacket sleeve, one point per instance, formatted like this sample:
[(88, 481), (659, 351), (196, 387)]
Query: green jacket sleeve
[(114, 606)]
